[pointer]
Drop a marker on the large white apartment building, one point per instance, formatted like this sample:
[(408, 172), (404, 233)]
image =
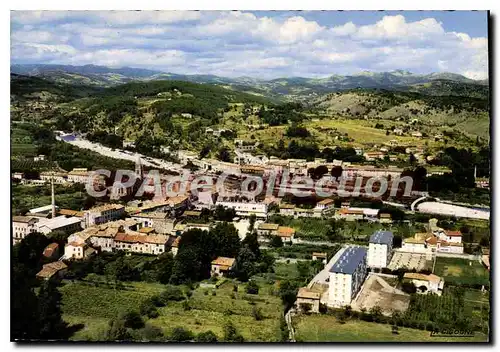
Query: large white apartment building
[(380, 249), (347, 276)]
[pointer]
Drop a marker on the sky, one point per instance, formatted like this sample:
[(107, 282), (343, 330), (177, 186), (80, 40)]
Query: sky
[(260, 44)]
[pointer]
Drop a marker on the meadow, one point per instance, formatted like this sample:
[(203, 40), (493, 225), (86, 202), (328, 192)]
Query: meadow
[(457, 271), (326, 328)]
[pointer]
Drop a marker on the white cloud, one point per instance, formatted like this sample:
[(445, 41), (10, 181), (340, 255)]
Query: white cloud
[(240, 43)]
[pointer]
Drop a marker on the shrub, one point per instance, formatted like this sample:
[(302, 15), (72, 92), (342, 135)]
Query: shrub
[(149, 309), (172, 293), (180, 334), (207, 336), (151, 332), (133, 320), (257, 313), (157, 301), (252, 288)]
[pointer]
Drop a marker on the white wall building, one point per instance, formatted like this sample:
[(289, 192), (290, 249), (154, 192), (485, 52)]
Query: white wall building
[(246, 209), (59, 223), (22, 226), (380, 249), (347, 276), (102, 214)]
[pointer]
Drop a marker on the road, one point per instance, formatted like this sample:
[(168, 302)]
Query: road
[(323, 275)]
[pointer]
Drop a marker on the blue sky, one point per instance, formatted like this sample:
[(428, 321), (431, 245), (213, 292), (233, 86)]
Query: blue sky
[(262, 44)]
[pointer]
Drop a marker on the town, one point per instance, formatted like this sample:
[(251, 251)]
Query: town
[(247, 176)]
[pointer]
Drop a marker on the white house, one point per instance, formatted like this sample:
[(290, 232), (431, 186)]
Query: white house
[(380, 249), (347, 276), (22, 226), (432, 283)]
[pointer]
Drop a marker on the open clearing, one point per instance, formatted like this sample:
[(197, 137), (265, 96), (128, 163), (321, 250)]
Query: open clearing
[(326, 328), (459, 271), (377, 292)]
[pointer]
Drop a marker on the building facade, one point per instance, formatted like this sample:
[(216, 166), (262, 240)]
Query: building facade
[(347, 276), (380, 249)]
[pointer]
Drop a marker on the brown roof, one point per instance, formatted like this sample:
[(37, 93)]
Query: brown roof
[(175, 244), (267, 226), (67, 212), (351, 211), (50, 269), (414, 240), (140, 238), (423, 277), (304, 292), (284, 231), (223, 261), (25, 219), (50, 249), (326, 201), (453, 233), (319, 254), (385, 215), (146, 230)]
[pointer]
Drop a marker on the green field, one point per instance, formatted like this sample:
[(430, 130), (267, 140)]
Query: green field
[(457, 271), (326, 328), (94, 306)]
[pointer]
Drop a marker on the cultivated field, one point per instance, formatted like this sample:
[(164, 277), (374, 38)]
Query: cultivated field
[(207, 309)]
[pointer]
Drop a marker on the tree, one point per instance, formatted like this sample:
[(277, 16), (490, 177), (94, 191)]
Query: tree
[(276, 242), (164, 265), (408, 287), (224, 155), (206, 337), (245, 264), (252, 243), (288, 293), (226, 239), (132, 319), (336, 171), (376, 313), (49, 313), (251, 224)]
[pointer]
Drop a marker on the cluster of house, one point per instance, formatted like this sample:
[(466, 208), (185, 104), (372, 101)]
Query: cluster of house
[(50, 218), (434, 240), (350, 269), (326, 207)]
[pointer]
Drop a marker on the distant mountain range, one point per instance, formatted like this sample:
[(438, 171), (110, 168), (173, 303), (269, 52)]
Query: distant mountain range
[(288, 88)]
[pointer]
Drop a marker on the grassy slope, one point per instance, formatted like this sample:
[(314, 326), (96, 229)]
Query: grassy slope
[(325, 328)]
